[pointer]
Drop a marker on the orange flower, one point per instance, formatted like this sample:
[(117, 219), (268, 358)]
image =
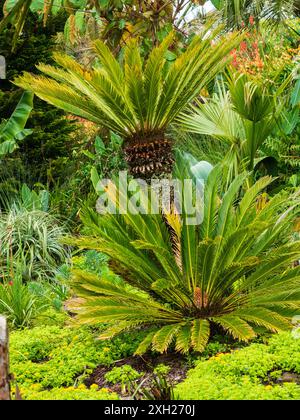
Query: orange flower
[(243, 46)]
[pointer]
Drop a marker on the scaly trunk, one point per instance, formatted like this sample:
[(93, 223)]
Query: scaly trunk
[(150, 156)]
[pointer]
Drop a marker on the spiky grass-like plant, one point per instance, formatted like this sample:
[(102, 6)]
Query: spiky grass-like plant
[(32, 237), (234, 270)]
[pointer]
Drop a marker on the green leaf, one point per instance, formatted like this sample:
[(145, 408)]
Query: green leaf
[(145, 344), (13, 130), (163, 338), (200, 334), (295, 96), (236, 327), (183, 341), (99, 145), (95, 178)]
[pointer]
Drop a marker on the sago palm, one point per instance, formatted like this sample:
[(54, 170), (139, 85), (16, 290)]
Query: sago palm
[(137, 98), (235, 270)]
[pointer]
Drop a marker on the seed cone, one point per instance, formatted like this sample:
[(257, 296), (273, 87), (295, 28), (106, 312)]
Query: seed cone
[(198, 298)]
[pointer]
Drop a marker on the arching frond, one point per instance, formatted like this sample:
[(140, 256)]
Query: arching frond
[(231, 274)]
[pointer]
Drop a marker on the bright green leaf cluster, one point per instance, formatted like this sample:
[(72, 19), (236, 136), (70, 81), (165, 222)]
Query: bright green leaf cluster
[(246, 374)]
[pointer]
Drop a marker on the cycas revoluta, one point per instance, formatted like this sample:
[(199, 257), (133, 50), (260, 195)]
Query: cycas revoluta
[(137, 98), (234, 270)]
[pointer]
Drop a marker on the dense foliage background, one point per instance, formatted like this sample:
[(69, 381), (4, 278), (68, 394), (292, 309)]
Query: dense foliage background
[(198, 90)]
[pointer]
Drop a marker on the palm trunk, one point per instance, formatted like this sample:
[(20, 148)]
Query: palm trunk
[(149, 157)]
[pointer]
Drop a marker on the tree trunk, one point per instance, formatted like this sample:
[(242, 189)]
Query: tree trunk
[(4, 361), (148, 157)]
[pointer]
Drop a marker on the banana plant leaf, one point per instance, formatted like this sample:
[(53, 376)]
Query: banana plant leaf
[(14, 130), (218, 4)]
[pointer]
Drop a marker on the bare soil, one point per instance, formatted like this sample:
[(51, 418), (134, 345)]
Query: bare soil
[(177, 364)]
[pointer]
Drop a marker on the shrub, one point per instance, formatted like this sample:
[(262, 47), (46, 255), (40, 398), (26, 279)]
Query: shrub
[(125, 375), (33, 237), (53, 357), (18, 303), (70, 393), (137, 99), (244, 374)]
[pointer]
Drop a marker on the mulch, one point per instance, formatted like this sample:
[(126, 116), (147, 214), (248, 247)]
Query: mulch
[(177, 363)]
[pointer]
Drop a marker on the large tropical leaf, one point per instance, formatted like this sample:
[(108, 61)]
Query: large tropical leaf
[(13, 130)]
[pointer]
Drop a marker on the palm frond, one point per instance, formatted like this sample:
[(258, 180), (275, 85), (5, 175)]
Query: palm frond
[(231, 273)]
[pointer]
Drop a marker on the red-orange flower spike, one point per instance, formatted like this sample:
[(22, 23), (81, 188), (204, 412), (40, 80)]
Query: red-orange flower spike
[(243, 46)]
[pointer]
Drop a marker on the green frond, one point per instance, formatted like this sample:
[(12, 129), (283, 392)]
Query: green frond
[(145, 344), (153, 79), (226, 213), (117, 329), (279, 259), (183, 339), (110, 64), (246, 205), (264, 317), (62, 96), (164, 337), (211, 204), (237, 327), (134, 82), (200, 334)]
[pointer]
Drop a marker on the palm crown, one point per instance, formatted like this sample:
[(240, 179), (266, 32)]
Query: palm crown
[(137, 98), (234, 270)]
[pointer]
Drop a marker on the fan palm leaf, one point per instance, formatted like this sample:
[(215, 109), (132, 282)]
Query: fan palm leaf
[(242, 117)]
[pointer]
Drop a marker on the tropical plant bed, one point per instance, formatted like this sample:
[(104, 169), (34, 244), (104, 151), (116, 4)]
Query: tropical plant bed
[(150, 199), (175, 367), (257, 372)]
